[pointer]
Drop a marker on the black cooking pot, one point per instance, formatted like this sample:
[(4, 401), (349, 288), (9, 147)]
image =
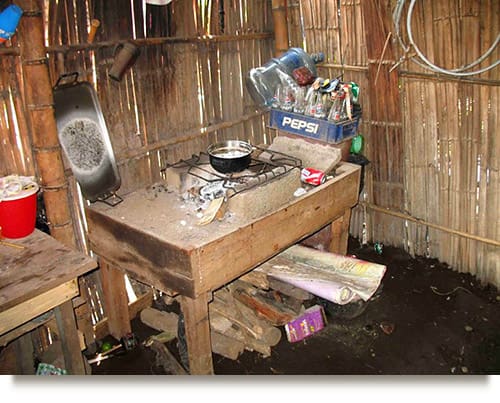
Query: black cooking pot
[(230, 156)]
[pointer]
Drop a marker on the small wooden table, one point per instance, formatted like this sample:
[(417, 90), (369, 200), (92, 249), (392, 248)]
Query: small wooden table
[(39, 275), (158, 242)]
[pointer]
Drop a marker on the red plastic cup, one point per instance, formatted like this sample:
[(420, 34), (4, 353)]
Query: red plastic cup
[(18, 214)]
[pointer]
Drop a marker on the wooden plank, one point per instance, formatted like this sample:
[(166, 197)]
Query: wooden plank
[(43, 264), (340, 233), (23, 312), (115, 300), (144, 257), (70, 340), (197, 329), (25, 328), (24, 355)]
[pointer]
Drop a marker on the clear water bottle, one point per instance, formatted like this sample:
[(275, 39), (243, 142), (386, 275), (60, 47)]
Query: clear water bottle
[(261, 82)]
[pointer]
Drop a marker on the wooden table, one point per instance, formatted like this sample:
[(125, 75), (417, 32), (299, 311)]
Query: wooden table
[(39, 275), (158, 242)]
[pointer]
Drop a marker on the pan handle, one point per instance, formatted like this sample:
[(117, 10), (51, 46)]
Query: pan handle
[(64, 76)]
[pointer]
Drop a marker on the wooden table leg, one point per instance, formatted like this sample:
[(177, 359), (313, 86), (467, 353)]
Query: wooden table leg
[(197, 329), (340, 233), (70, 341), (115, 300), (24, 355)]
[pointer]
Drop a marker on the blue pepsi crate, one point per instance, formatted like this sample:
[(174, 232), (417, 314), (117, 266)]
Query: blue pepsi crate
[(319, 129)]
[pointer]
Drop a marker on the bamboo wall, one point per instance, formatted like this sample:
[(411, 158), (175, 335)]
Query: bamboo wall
[(184, 91), (432, 184)]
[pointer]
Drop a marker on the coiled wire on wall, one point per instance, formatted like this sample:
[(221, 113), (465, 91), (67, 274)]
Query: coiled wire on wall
[(422, 60)]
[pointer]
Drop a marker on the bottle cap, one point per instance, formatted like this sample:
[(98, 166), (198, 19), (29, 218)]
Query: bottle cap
[(318, 57)]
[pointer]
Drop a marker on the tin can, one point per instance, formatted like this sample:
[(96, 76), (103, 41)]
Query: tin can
[(312, 176)]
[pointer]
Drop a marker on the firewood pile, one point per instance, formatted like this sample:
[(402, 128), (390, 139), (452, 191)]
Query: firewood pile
[(248, 313), (251, 312)]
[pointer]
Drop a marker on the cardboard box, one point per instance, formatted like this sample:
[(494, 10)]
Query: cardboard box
[(310, 322)]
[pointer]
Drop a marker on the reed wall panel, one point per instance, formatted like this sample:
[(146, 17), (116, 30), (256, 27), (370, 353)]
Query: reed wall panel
[(436, 159), (432, 185)]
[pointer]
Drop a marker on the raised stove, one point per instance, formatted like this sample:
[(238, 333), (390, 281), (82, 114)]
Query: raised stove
[(270, 181)]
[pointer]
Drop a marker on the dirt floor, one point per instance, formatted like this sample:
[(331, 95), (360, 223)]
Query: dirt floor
[(424, 319)]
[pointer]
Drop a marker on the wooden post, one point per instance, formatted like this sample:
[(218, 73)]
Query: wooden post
[(280, 27), (197, 328), (115, 300), (340, 233), (24, 355), (66, 324), (40, 107)]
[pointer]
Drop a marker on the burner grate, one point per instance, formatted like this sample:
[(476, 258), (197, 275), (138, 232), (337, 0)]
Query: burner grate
[(268, 166)]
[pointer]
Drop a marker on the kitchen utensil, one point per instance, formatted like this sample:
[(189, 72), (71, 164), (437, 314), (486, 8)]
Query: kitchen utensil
[(230, 156), (85, 140), (125, 56)]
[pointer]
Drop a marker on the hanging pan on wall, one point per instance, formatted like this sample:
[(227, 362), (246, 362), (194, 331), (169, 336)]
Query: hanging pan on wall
[(85, 140)]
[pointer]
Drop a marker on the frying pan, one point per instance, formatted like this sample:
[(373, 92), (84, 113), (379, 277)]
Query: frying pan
[(84, 138)]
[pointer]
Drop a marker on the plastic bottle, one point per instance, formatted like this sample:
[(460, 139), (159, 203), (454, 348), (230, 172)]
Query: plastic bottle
[(9, 19), (262, 81)]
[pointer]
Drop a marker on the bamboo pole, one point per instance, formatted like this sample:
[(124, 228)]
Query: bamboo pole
[(14, 51), (407, 217), (280, 27), (445, 78), (385, 106), (190, 135), (40, 107)]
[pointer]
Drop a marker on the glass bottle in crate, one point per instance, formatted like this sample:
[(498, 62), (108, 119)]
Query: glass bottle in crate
[(300, 100), (277, 97), (319, 110), (311, 104), (337, 111), (288, 98)]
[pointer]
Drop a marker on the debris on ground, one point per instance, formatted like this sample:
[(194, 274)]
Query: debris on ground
[(387, 327)]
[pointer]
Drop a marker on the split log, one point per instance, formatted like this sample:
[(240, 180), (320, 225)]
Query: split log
[(289, 289), (263, 330), (257, 278), (231, 313), (226, 346), (159, 320), (165, 359), (222, 325), (277, 314)]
